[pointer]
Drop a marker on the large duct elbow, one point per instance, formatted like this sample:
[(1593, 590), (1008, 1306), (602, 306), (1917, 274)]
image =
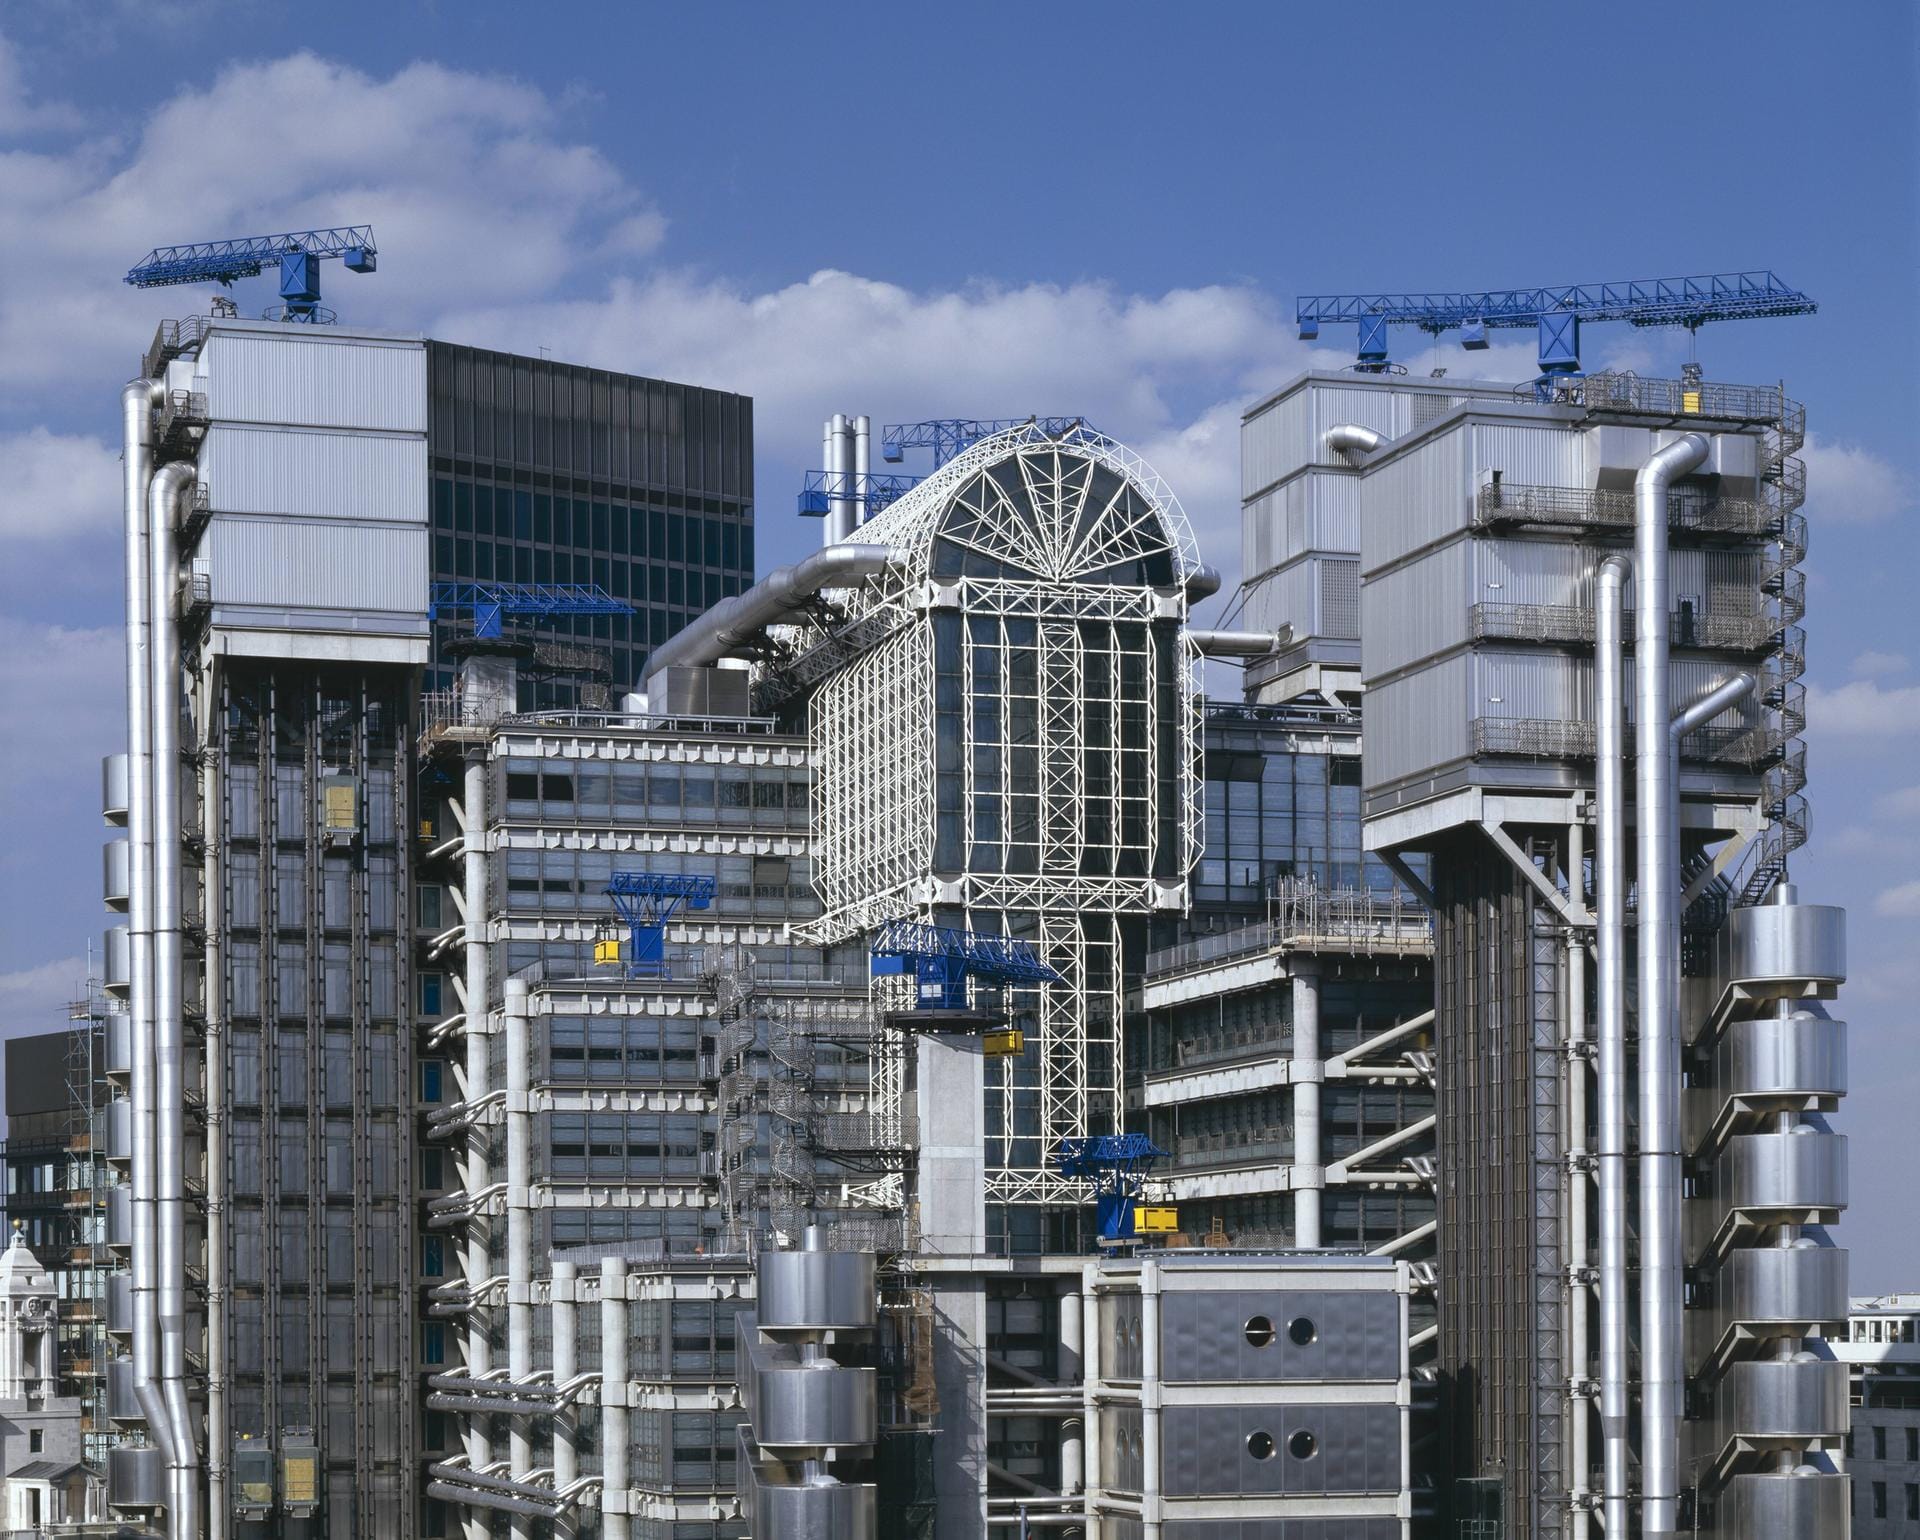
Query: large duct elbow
[(723, 629), (1202, 583), (1240, 644), (1351, 438), (1710, 705)]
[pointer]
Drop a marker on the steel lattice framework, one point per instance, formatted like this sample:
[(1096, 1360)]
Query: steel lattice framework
[(1005, 732)]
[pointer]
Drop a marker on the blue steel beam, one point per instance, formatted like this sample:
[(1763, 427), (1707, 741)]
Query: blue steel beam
[(646, 901), (491, 603), (947, 436), (872, 490), (248, 256)]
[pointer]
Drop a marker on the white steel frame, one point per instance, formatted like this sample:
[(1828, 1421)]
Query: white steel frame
[(1050, 641)]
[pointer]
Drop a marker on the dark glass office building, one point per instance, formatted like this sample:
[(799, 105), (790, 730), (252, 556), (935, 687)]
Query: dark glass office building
[(545, 472)]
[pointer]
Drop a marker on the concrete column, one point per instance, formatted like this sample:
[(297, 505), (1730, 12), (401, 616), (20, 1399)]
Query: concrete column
[(566, 1364), (1309, 1072), (519, 1231), (1091, 1351), (1073, 1430), (1150, 1505), (613, 1399)]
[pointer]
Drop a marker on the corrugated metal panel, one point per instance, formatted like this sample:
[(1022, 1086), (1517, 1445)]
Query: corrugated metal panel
[(1414, 611), (1319, 511), (316, 381), (1416, 723), (1276, 443), (315, 564), (1287, 598), (1413, 499), (1532, 572), (1540, 686), (1383, 410), (315, 475), (1544, 456)]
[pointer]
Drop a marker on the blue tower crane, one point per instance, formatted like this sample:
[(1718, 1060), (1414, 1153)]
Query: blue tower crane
[(491, 603), (871, 490), (297, 254), (1118, 1164), (1555, 313), (942, 959), (947, 436), (647, 901)]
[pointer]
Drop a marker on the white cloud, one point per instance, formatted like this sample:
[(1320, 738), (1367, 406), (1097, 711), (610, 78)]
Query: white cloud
[(66, 682), (1899, 903), (1851, 485), (59, 486), (20, 114), (1904, 803), (35, 999), (1869, 665), (469, 180), (1862, 708)]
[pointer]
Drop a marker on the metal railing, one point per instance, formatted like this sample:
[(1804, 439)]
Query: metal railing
[(1303, 916), (1623, 391), (1606, 508), (1574, 623), (171, 339), (1746, 748)]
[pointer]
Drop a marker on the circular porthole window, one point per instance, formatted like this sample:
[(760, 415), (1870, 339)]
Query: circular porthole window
[(1259, 1331), (1302, 1445), (1301, 1331), (1260, 1445)]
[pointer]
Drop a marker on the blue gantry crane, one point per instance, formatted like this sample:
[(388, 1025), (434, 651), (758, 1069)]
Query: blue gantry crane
[(646, 901), (1118, 1165), (1555, 313), (491, 604), (297, 254), (947, 436), (869, 490)]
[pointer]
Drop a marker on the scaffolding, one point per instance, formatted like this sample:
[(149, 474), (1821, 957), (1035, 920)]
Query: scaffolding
[(1005, 726)]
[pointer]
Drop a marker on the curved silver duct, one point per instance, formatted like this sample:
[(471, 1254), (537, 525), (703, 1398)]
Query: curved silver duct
[(1657, 847), (1351, 438), (1709, 706), (714, 635), (1610, 1060), (169, 484), (1239, 644), (137, 403), (1202, 583)]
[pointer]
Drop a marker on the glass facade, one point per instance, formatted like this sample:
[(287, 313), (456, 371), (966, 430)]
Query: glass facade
[(546, 472)]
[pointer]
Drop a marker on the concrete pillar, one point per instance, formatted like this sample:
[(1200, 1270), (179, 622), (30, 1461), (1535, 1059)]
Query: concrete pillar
[(1073, 1430), (1309, 1072), (566, 1364), (519, 1231), (473, 1166), (613, 1399)]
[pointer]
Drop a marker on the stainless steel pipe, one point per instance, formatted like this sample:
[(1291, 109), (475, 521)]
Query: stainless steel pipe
[(1657, 847), (169, 485), (1610, 1041)]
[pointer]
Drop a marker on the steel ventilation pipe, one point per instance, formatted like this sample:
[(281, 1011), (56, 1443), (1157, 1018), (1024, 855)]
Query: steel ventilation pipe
[(724, 628), (169, 485), (138, 401), (1657, 848), (1610, 1047), (1351, 438)]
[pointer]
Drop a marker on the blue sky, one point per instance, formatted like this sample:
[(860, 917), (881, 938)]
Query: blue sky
[(993, 210)]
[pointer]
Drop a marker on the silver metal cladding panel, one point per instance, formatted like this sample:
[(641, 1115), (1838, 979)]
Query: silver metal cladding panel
[(1121, 1446), (1265, 1335), (318, 379), (1304, 1450), (1769, 1056), (1416, 611), (1783, 944), (119, 1129), (1120, 1340), (1546, 455), (845, 1512), (1763, 1287), (1344, 1527), (297, 473), (1804, 1169), (1417, 721), (117, 956), (120, 1215), (1276, 442), (136, 1477), (1764, 1398), (122, 1404), (318, 565), (117, 1043), (120, 1303), (116, 874), (113, 788), (1806, 1504), (814, 1407), (1319, 511), (816, 1290), (1414, 499)]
